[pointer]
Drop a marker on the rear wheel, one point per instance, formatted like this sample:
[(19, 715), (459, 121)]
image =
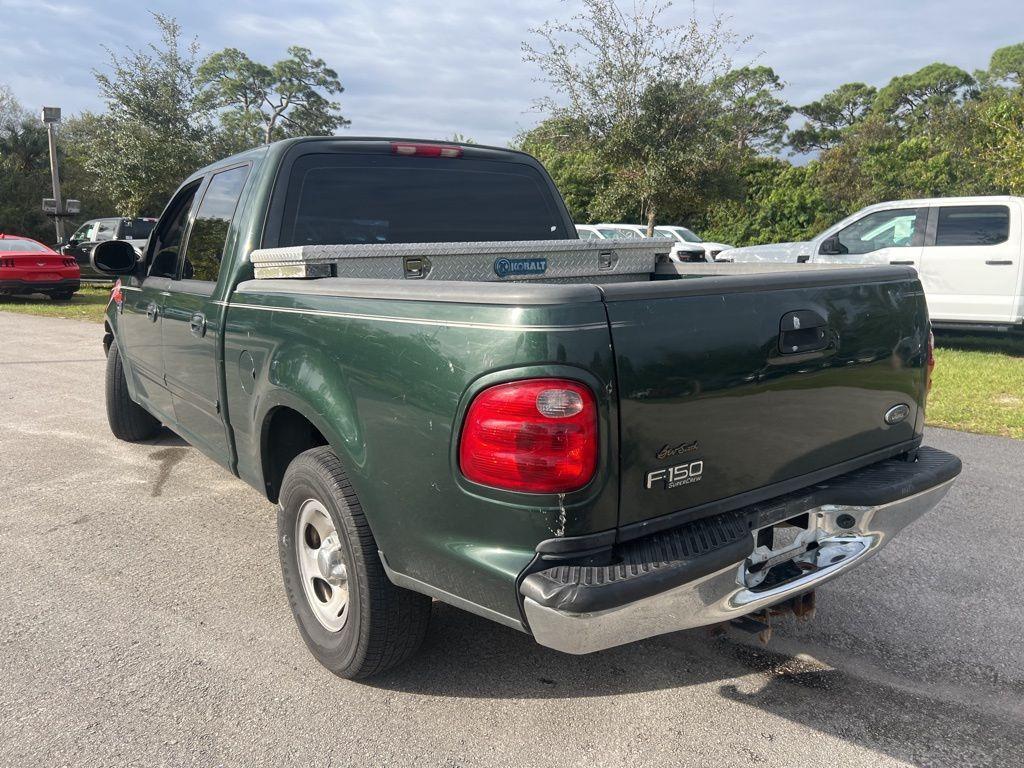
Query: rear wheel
[(351, 617), (128, 420)]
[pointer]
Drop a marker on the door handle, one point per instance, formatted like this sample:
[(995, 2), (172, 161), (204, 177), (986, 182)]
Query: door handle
[(903, 263), (152, 311), (197, 324), (803, 330), (1000, 263)]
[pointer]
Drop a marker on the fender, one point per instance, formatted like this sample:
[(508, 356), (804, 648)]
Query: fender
[(314, 385), (112, 337)]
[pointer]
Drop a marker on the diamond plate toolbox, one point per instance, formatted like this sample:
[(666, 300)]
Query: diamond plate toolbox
[(509, 261)]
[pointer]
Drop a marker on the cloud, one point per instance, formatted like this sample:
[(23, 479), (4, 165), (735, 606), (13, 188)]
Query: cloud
[(430, 68)]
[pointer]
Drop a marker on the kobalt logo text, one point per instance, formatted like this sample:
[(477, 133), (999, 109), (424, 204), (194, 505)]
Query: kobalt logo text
[(673, 477)]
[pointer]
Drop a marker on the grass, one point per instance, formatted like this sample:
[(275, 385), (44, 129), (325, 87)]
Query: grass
[(87, 304), (978, 384)]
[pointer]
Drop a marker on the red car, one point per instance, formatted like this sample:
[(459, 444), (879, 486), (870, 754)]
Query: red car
[(27, 266)]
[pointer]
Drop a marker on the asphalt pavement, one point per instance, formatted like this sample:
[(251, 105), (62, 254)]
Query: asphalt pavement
[(143, 622)]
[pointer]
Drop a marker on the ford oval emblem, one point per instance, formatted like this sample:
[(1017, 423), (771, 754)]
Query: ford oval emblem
[(897, 413)]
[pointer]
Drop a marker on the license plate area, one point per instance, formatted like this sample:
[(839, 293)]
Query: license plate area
[(783, 552)]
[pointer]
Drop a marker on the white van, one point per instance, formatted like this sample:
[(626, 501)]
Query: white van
[(967, 250)]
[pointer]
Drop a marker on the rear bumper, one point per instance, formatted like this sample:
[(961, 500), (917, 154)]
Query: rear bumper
[(708, 571), (15, 287)]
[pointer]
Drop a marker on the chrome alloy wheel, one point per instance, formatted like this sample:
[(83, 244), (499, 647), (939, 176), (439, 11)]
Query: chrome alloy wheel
[(322, 565)]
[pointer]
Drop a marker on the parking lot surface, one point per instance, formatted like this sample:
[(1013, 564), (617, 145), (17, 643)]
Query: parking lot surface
[(143, 622)]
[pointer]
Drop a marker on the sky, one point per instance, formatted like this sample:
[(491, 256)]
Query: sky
[(433, 68)]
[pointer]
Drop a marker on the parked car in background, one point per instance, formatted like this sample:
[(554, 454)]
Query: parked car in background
[(617, 232), (686, 236), (27, 266), (969, 252), (95, 231), (631, 231), (687, 246), (589, 232)]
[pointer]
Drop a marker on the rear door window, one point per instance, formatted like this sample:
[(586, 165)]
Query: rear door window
[(973, 225), (349, 199), (209, 233)]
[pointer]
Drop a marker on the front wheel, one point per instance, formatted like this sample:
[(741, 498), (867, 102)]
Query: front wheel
[(351, 617), (128, 420)]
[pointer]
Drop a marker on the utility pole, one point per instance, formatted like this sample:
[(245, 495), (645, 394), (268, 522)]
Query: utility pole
[(51, 116)]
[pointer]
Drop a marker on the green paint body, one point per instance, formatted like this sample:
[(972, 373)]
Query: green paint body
[(387, 380)]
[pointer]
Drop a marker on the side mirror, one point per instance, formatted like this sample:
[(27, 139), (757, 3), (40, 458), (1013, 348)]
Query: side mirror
[(831, 246), (114, 257)]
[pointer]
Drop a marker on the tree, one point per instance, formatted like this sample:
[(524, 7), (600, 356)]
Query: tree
[(780, 202), (1007, 63), (573, 164), (757, 116), (919, 95), (830, 116), (157, 128), (264, 103), (24, 171), (635, 85)]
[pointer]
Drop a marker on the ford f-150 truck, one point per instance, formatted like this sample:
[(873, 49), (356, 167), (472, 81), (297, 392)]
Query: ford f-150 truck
[(449, 396)]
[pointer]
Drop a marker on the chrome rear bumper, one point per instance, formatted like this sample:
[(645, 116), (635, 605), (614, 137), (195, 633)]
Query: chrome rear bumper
[(845, 536)]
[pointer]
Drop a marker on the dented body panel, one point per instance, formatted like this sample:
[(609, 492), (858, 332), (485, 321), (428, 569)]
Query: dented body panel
[(387, 381)]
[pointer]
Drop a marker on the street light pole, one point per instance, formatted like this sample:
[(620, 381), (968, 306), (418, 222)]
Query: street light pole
[(51, 116)]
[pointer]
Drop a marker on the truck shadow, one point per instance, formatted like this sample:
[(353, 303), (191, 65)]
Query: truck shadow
[(467, 656), (171, 451)]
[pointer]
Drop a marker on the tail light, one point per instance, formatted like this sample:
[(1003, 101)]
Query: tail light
[(425, 150), (6, 262), (930, 363), (533, 436)]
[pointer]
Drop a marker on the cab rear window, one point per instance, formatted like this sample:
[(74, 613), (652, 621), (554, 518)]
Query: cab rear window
[(345, 199)]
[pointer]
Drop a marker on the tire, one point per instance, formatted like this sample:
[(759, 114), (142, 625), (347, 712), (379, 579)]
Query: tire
[(128, 420), (380, 625)]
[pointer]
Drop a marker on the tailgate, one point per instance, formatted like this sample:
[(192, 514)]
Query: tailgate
[(752, 384)]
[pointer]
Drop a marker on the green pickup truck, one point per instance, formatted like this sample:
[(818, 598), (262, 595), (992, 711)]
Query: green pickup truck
[(450, 397)]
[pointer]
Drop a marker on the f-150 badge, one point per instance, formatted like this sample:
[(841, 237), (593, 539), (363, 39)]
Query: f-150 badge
[(673, 477)]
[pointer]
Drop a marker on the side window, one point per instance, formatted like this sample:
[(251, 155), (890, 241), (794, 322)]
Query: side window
[(882, 229), (84, 232), (973, 225), (166, 241), (587, 234), (210, 229), (105, 229)]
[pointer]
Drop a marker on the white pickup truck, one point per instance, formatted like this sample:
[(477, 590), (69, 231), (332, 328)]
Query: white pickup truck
[(969, 252)]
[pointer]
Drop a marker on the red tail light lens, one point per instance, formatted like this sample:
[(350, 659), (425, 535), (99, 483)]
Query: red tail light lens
[(425, 150), (931, 360), (534, 436)]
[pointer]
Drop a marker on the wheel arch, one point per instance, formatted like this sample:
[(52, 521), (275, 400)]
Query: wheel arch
[(285, 432)]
